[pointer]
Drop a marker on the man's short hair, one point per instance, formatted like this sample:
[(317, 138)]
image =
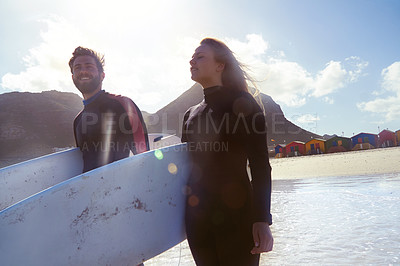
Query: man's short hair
[(80, 51)]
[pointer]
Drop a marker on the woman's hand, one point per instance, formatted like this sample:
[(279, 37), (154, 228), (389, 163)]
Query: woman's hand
[(263, 240)]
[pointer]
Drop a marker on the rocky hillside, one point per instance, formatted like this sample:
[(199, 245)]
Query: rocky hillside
[(169, 119), (32, 124)]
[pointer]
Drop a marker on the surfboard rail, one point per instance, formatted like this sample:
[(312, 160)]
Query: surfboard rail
[(24, 179)]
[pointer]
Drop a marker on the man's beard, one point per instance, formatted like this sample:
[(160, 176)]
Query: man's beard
[(87, 87)]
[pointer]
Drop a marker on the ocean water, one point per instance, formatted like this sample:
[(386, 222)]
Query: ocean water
[(353, 220)]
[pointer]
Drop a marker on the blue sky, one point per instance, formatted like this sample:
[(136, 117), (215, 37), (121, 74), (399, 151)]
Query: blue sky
[(332, 65)]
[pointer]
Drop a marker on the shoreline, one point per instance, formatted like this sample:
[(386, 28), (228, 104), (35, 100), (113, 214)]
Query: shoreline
[(363, 162)]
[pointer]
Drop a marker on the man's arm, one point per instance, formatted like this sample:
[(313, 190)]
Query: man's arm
[(139, 133)]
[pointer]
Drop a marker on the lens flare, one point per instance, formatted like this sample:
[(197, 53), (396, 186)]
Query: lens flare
[(159, 155), (193, 201), (172, 168)]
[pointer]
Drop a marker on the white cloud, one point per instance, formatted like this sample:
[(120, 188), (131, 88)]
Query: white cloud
[(391, 78), (306, 121), (249, 51), (307, 118), (47, 64), (286, 82), (389, 107), (328, 100), (355, 66), (329, 80), (138, 67), (289, 82), (151, 64)]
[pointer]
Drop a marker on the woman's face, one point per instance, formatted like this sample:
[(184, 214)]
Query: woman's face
[(204, 68)]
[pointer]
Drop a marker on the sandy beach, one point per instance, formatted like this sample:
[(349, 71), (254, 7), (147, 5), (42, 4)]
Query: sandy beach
[(365, 162), (303, 222)]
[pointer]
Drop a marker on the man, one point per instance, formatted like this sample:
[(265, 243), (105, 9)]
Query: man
[(109, 127)]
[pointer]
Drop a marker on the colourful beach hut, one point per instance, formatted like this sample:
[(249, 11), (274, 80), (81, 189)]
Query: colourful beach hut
[(280, 151), (315, 146), (386, 138), (364, 141), (338, 144), (295, 148), (397, 133)]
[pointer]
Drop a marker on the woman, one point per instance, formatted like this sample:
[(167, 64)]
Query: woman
[(227, 216)]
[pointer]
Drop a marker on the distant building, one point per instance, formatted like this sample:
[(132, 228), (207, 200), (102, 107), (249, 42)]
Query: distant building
[(364, 141), (338, 144), (397, 137), (315, 146), (295, 148), (280, 151), (386, 138)]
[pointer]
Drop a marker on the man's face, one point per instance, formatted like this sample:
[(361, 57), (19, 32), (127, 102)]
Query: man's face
[(86, 75)]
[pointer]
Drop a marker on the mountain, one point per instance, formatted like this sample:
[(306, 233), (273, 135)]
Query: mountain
[(32, 124), (280, 130), (326, 136)]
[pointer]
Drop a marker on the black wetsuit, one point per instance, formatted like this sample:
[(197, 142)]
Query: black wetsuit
[(108, 128), (223, 132)]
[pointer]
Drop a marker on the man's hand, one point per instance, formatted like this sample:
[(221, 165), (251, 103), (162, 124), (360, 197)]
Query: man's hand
[(263, 240)]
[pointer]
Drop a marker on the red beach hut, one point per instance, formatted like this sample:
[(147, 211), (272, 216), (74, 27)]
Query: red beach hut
[(386, 138), (296, 148)]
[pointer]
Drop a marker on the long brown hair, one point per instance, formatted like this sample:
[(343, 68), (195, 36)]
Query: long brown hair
[(233, 75)]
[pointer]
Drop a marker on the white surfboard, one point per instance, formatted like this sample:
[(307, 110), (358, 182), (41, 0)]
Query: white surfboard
[(119, 214), (27, 178)]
